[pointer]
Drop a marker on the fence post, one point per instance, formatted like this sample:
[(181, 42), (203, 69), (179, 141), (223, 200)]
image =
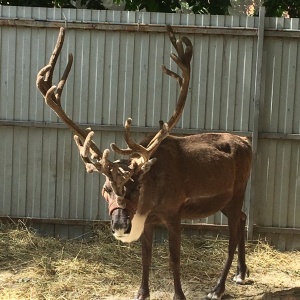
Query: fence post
[(256, 105)]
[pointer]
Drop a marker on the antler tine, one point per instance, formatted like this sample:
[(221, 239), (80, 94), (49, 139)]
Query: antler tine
[(55, 54), (52, 96), (182, 59), (133, 147), (172, 36)]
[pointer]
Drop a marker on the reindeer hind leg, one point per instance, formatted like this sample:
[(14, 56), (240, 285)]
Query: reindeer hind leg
[(242, 270), (234, 222)]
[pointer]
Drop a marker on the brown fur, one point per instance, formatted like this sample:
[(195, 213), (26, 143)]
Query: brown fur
[(193, 177), (190, 172)]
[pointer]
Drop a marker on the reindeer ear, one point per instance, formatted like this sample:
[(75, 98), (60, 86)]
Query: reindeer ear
[(147, 166)]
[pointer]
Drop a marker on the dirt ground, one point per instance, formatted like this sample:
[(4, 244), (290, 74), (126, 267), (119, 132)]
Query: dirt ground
[(275, 285), (34, 267)]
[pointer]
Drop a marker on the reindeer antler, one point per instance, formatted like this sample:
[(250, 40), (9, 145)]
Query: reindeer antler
[(94, 159), (52, 96), (182, 59)]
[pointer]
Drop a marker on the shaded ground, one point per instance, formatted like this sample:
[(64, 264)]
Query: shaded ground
[(32, 267)]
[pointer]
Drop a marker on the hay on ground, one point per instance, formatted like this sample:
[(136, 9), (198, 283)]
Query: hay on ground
[(34, 267)]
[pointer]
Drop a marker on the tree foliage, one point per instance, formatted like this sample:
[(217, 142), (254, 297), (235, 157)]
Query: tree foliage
[(274, 8), (90, 4), (213, 7), (38, 3), (196, 6), (277, 8)]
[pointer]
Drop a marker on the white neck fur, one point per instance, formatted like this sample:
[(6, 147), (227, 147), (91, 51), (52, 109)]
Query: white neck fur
[(137, 228)]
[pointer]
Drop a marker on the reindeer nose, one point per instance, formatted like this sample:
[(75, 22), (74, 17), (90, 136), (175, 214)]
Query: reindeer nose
[(120, 222)]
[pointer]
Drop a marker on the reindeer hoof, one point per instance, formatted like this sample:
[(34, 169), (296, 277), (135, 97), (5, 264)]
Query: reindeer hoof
[(142, 295), (213, 295), (239, 278)]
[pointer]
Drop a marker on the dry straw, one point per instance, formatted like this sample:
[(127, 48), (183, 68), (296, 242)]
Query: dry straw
[(34, 267)]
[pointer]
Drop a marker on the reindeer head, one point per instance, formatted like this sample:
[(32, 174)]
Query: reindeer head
[(123, 177)]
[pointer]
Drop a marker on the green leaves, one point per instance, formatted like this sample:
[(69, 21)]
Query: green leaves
[(151, 5), (276, 8), (90, 4), (199, 7), (38, 3), (213, 7)]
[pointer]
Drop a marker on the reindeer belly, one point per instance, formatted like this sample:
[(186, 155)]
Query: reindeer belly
[(204, 206)]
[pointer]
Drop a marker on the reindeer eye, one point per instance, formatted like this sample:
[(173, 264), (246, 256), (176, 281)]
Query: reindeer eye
[(107, 190)]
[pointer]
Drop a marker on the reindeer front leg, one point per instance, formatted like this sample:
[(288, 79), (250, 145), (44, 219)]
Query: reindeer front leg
[(174, 230), (147, 240)]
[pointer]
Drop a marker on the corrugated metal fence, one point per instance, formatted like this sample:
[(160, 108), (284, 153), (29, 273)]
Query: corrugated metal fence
[(244, 76)]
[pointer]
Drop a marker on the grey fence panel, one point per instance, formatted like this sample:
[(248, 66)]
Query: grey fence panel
[(278, 185), (6, 170), (280, 112), (277, 202)]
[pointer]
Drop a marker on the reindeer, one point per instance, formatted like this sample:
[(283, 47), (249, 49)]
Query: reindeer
[(165, 178)]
